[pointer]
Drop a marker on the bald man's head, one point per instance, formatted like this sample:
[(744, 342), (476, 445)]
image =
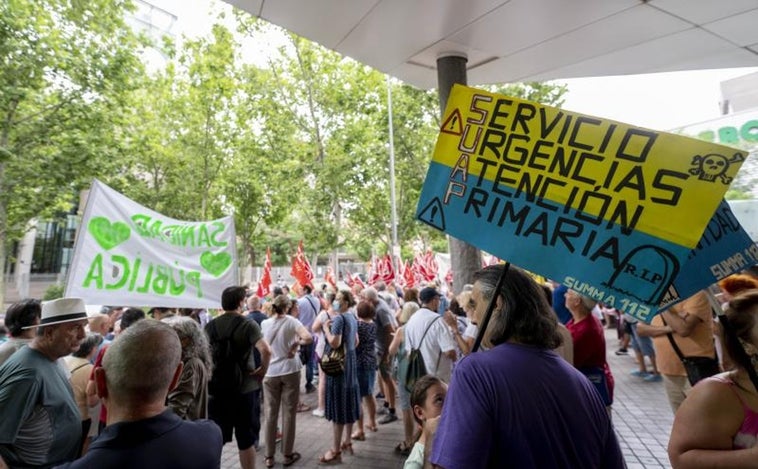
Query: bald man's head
[(141, 363)]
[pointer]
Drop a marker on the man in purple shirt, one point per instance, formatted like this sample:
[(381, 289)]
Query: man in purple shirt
[(519, 404)]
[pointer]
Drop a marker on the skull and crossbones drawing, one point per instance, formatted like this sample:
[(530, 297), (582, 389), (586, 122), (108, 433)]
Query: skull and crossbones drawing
[(713, 165)]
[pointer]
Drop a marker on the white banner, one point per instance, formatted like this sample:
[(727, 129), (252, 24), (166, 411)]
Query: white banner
[(129, 255)]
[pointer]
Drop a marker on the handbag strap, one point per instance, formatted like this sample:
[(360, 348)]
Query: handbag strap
[(673, 342), (276, 331), (427, 330), (79, 367), (315, 308), (342, 334)]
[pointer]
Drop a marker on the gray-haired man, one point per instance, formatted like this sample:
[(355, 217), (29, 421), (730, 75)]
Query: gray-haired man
[(40, 424)]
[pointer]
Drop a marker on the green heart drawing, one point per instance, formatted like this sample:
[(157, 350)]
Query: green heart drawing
[(215, 264), (108, 234)]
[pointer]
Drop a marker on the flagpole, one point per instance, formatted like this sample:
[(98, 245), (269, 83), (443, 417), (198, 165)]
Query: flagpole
[(393, 208)]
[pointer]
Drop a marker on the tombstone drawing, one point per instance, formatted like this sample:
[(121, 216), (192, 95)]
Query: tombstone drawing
[(645, 273)]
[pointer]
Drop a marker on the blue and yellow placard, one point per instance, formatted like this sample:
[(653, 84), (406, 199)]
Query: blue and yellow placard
[(724, 249), (609, 209)]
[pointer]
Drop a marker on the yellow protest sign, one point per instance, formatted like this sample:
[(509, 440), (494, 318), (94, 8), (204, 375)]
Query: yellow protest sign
[(607, 207)]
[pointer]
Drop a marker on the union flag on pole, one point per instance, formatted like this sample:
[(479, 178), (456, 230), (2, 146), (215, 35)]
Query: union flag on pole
[(386, 269), (409, 278), (353, 280), (301, 268), (373, 270), (381, 269), (425, 266), (264, 284)]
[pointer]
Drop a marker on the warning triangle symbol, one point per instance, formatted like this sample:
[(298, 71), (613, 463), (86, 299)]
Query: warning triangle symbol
[(453, 124), (433, 215)]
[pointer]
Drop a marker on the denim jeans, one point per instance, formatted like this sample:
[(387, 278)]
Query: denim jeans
[(306, 352)]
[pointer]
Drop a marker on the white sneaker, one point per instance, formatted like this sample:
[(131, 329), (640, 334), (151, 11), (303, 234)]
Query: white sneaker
[(318, 413)]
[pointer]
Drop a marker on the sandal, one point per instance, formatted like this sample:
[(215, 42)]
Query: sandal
[(403, 448), (303, 407), (291, 459), (373, 428), (269, 461), (347, 447), (336, 457), (358, 436)]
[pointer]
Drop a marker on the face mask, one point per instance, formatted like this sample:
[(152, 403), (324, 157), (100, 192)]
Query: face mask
[(336, 305)]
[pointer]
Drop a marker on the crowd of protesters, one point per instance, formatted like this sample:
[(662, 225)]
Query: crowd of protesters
[(124, 388)]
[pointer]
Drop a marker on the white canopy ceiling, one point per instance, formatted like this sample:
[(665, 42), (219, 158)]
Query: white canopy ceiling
[(509, 41)]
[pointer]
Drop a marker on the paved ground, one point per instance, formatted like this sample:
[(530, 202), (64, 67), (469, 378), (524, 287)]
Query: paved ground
[(641, 415)]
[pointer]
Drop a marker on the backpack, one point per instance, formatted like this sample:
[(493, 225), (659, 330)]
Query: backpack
[(416, 368), (228, 367)]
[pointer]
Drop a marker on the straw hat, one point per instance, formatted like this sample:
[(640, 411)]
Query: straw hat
[(62, 310)]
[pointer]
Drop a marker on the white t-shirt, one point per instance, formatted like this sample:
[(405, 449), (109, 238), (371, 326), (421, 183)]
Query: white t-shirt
[(281, 334), (437, 341), (320, 338), (471, 330)]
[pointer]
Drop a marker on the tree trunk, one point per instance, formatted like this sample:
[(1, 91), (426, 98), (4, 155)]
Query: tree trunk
[(3, 237), (465, 259), (4, 140)]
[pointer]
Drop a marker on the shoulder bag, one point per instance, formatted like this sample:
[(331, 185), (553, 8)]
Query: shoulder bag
[(333, 362), (416, 368), (697, 368)]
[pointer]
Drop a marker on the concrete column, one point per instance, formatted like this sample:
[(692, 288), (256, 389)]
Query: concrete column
[(465, 259)]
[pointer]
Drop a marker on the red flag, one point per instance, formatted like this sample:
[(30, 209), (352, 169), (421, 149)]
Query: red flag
[(264, 285), (330, 277), (400, 274), (425, 266), (417, 268), (374, 270), (353, 280), (408, 276), (386, 269), (449, 277), (431, 264), (301, 268)]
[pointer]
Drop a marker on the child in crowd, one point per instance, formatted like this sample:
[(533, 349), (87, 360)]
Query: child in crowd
[(427, 398)]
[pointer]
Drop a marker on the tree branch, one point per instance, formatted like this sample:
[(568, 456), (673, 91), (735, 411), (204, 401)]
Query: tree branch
[(49, 110)]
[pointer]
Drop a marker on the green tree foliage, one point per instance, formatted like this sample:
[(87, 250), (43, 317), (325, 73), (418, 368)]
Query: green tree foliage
[(65, 69), (295, 147), (332, 102)]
